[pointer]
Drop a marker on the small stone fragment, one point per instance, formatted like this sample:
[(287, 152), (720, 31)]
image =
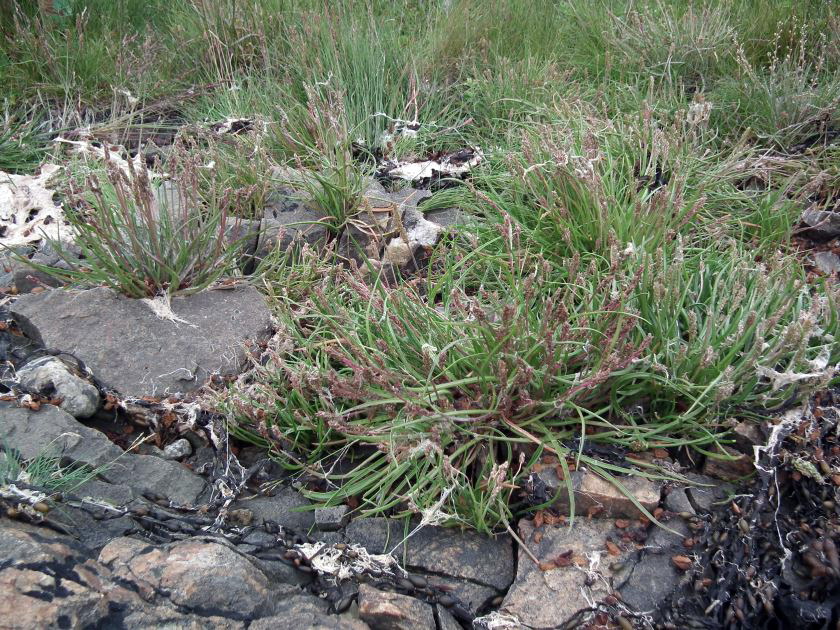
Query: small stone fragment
[(178, 449), (598, 497), (392, 611), (738, 466), (330, 519), (827, 262)]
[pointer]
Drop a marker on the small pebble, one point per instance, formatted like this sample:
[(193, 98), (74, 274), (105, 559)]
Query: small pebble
[(178, 449)]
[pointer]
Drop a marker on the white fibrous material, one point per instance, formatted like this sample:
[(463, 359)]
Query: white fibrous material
[(450, 166), (330, 561), (86, 148), (497, 621), (28, 211)]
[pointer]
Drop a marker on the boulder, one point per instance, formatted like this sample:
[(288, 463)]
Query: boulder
[(203, 576), (138, 353), (52, 378)]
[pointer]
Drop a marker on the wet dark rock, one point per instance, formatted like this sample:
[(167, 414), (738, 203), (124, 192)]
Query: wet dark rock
[(821, 224), (147, 474), (331, 519), (52, 378), (282, 509), (288, 218), (51, 428), (391, 611), (132, 350)]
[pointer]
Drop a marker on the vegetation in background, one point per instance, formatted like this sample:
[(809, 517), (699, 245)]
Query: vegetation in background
[(628, 280)]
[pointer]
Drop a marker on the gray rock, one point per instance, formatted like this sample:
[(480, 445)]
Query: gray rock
[(204, 576), (676, 500), (472, 595), (289, 218), (135, 352), (549, 598), (91, 533), (163, 617), (827, 262), (417, 237), (280, 572), (374, 225), (54, 430), (50, 376), (449, 217), (707, 492), (306, 618), (26, 279), (178, 449), (391, 611), (32, 599), (445, 620), (652, 580), (331, 519), (441, 551), (282, 509), (822, 224), (147, 474)]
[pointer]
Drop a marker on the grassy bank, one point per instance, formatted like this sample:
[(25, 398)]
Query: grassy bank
[(629, 274)]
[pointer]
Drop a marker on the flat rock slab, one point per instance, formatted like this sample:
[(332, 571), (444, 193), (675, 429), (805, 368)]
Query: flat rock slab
[(440, 551), (550, 596), (135, 352), (53, 431), (147, 474)]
